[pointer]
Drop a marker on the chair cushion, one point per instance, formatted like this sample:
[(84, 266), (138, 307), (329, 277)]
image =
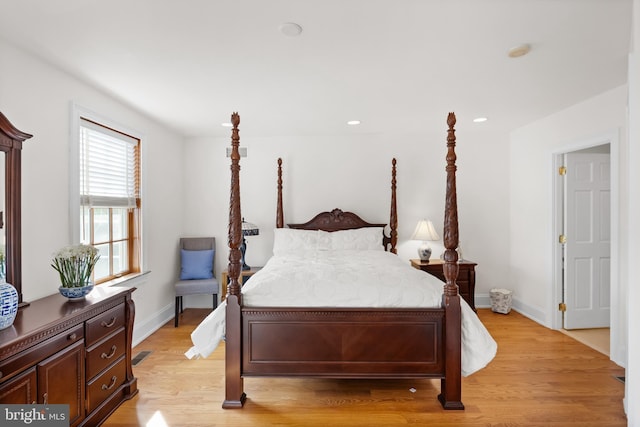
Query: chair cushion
[(197, 287), (196, 264)]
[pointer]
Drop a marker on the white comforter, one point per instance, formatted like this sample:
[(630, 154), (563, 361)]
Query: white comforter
[(347, 279)]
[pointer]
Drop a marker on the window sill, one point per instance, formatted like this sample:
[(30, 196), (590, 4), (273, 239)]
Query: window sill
[(128, 281)]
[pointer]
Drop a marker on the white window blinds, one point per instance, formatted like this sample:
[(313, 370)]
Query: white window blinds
[(108, 167)]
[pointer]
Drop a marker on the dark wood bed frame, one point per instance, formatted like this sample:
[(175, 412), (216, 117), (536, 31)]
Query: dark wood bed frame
[(344, 342)]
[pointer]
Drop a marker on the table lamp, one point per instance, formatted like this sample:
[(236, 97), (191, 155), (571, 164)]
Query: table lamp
[(426, 232), (248, 229)]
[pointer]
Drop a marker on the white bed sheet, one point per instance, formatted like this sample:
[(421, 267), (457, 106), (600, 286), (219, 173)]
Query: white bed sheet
[(346, 279)]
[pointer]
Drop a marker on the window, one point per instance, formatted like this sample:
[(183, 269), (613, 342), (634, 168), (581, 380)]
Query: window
[(109, 195)]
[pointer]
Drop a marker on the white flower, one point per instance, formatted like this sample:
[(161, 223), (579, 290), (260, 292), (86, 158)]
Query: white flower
[(75, 264)]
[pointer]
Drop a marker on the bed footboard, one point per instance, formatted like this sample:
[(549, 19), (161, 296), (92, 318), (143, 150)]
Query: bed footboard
[(343, 343)]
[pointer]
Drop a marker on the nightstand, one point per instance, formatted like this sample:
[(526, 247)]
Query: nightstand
[(244, 276), (466, 276)]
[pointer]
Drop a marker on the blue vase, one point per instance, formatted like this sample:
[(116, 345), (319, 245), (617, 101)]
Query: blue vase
[(8, 305), (76, 293)]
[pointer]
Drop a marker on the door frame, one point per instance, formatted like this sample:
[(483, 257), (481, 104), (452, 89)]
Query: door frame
[(612, 139)]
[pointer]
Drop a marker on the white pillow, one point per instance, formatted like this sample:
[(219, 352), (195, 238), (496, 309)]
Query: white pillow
[(365, 238), (324, 240), (291, 240)]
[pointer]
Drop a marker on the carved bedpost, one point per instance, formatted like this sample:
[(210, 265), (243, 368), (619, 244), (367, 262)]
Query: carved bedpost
[(279, 212), (393, 218), (451, 213), (235, 215), (234, 386), (450, 392)]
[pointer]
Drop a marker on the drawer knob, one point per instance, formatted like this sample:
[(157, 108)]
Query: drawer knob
[(72, 337), (110, 355), (110, 323), (110, 386)]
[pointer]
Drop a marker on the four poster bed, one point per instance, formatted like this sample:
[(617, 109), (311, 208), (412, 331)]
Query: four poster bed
[(336, 302)]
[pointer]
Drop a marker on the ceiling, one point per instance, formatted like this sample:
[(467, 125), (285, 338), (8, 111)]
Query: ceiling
[(398, 66)]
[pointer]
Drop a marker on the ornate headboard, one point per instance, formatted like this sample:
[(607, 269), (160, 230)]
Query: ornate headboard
[(334, 221)]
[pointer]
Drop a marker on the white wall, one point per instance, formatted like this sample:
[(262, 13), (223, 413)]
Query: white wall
[(632, 384), (36, 98), (532, 172), (353, 172)]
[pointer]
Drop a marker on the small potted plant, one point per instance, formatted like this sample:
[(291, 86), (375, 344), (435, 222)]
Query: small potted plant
[(75, 265)]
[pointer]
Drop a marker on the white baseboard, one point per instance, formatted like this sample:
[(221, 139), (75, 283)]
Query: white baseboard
[(484, 301), (142, 330)]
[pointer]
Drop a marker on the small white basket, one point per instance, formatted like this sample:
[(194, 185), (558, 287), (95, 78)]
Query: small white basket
[(501, 300)]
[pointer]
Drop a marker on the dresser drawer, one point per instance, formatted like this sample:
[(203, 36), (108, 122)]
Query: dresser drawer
[(105, 352), (104, 324), (33, 355), (463, 286), (105, 384)]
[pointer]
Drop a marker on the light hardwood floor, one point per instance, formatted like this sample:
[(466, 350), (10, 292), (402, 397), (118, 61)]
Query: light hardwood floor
[(540, 377), (597, 339)]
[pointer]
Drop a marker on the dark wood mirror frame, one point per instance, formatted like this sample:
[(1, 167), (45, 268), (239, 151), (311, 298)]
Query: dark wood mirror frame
[(11, 140)]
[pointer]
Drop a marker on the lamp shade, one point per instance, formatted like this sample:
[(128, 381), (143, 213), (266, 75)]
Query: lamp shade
[(249, 229), (425, 231)]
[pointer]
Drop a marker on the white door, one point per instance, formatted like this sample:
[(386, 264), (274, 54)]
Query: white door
[(588, 242)]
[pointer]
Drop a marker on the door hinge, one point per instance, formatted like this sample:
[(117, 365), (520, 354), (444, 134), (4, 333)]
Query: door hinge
[(562, 239), (562, 307), (562, 170)]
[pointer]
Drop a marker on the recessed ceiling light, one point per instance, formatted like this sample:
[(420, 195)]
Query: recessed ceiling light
[(290, 29), (479, 119), (227, 125), (353, 122), (520, 50)]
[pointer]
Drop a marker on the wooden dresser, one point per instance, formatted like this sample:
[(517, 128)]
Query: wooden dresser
[(466, 280), (76, 353)]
